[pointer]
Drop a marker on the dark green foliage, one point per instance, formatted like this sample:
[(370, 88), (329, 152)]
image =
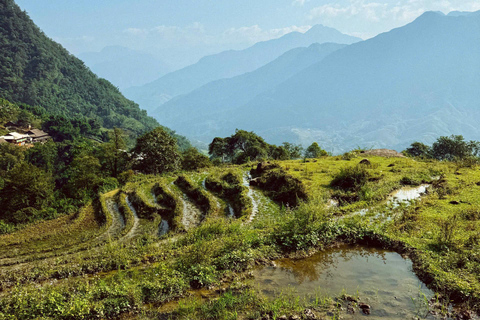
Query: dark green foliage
[(37, 71), (193, 160), (27, 191), (279, 185), (241, 147), (294, 150), (351, 178), (156, 152), (314, 151), (113, 155), (279, 153), (418, 149), (454, 148)]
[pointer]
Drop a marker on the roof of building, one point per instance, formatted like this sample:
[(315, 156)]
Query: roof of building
[(17, 135), (37, 133)]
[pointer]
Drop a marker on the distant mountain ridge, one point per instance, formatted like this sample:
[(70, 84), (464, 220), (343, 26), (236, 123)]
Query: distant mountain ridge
[(38, 71), (124, 67), (228, 64), (416, 82), (205, 103)]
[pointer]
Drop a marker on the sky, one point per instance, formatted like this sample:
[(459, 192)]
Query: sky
[(182, 31)]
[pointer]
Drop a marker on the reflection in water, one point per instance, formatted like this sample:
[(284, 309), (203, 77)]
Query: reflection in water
[(383, 278)]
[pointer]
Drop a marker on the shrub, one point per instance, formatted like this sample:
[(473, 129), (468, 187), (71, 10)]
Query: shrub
[(351, 178)]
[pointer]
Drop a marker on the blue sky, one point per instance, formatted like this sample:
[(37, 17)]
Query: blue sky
[(189, 29)]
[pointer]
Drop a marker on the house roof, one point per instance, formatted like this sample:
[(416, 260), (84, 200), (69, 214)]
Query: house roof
[(17, 135), (36, 133)]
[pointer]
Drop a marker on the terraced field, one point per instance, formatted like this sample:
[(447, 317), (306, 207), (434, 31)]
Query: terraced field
[(196, 236)]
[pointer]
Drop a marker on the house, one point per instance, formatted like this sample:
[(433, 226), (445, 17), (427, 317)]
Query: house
[(17, 138), (38, 135)]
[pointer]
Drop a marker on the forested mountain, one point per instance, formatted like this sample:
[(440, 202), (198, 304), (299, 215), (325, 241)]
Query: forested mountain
[(416, 82), (229, 64), (124, 67), (38, 71), (202, 106)]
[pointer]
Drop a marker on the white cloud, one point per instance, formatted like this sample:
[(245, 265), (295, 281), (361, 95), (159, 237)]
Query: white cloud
[(368, 18)]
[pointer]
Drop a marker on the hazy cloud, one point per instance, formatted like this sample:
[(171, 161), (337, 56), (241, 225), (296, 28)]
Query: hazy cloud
[(255, 33), (359, 15)]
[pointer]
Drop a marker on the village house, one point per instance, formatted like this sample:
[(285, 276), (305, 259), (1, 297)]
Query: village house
[(38, 135), (17, 138)]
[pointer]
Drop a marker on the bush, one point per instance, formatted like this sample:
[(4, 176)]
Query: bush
[(279, 185), (351, 178)]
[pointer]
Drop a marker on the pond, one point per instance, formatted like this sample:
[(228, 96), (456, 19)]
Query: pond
[(382, 279)]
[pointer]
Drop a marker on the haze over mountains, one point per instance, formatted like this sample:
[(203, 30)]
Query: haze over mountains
[(228, 64), (416, 82), (124, 67)]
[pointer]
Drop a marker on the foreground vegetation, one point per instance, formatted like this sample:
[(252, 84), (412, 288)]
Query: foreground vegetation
[(113, 271)]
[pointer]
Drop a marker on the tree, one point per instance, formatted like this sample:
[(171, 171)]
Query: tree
[(314, 151), (83, 177), (113, 153), (294, 150), (192, 160), (279, 153), (156, 152), (418, 149), (454, 148), (26, 186), (218, 149)]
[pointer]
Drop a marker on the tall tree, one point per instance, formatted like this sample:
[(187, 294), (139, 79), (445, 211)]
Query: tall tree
[(156, 152), (314, 151)]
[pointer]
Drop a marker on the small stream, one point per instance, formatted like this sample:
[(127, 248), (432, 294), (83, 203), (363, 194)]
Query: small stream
[(246, 183), (134, 228), (381, 278)]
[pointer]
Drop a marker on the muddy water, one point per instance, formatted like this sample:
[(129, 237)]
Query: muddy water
[(382, 279)]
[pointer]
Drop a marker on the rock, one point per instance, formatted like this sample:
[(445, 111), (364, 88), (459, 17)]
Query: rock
[(309, 314), (365, 162), (350, 298), (365, 308), (284, 317)]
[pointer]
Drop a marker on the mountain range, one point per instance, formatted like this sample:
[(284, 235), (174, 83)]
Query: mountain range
[(416, 82), (228, 64)]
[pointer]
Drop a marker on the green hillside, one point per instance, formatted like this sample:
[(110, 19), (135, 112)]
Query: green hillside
[(38, 71)]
